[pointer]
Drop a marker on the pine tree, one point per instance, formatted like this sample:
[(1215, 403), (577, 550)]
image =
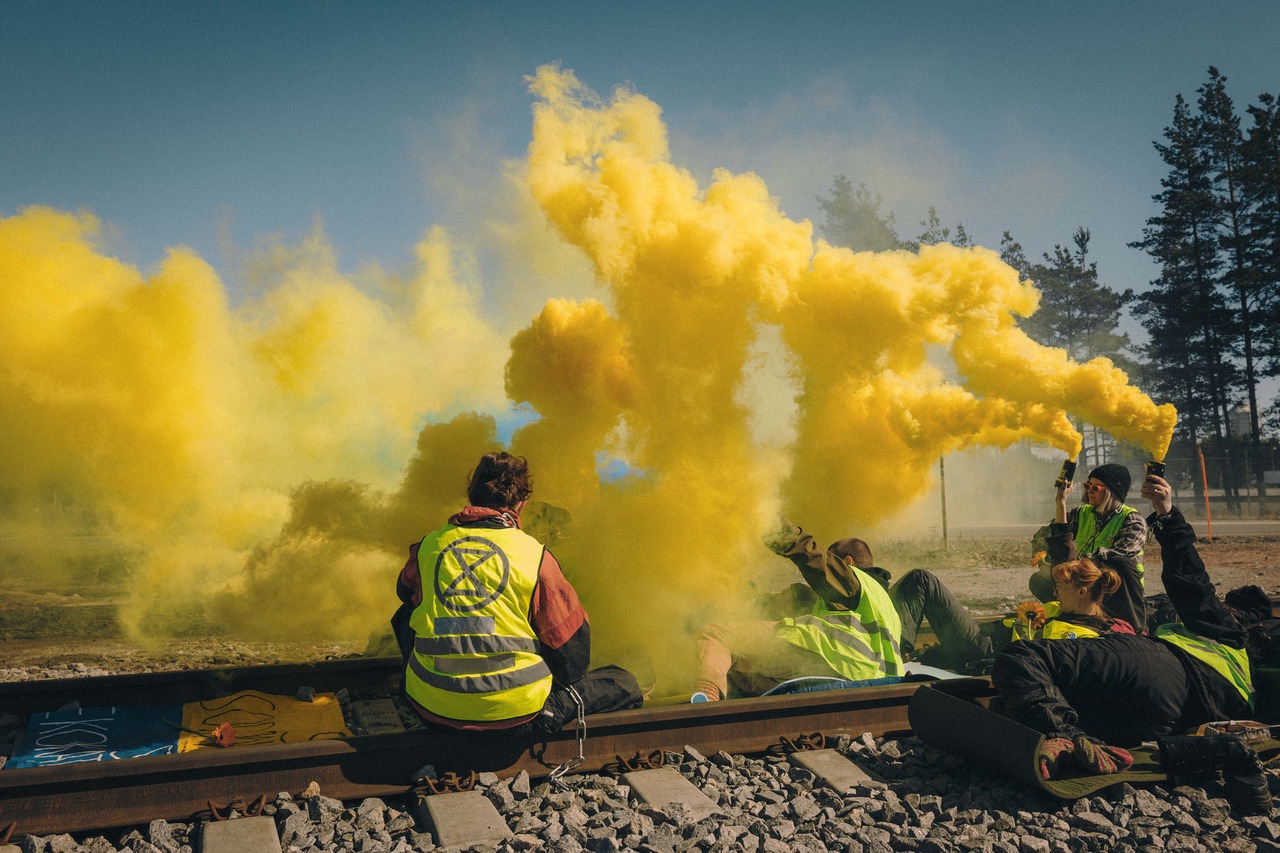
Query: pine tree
[(1186, 316), (1222, 143), (1077, 312), (1260, 183), (935, 232), (854, 219)]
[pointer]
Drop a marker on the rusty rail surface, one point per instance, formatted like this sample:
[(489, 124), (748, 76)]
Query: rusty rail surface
[(109, 794)]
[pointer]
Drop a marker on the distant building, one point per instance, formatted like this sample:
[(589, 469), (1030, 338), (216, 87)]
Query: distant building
[(1240, 422)]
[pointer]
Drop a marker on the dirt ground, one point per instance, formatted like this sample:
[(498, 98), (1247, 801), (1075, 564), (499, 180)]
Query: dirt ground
[(48, 635), (1233, 561)]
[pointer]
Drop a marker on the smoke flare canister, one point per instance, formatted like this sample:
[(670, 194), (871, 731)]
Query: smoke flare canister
[(1154, 468), (1067, 474)]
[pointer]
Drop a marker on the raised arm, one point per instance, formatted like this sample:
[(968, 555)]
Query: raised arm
[(828, 576), (1186, 581)]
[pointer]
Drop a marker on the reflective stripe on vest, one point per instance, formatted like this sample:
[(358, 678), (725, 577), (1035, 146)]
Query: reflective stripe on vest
[(1229, 662), (475, 655), (1089, 539), (858, 644), (1055, 628)]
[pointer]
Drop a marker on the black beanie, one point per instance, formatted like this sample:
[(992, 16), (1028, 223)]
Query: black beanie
[(1114, 477)]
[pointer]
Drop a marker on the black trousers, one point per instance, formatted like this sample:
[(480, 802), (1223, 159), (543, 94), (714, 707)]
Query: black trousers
[(919, 596), (1122, 688), (609, 688)]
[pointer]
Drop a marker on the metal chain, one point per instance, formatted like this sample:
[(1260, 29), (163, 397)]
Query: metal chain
[(580, 731), (803, 743)]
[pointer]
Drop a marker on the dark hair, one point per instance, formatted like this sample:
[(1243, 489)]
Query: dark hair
[(500, 481), (854, 549), (1083, 573)]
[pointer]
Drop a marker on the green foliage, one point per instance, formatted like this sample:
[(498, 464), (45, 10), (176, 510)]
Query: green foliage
[(935, 232), (1222, 143), (1077, 312), (1190, 325), (854, 219), (1260, 185)]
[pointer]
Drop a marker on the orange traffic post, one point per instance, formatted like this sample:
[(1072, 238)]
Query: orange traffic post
[(1204, 478)]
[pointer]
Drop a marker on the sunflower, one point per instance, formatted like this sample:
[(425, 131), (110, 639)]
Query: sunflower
[(1031, 614)]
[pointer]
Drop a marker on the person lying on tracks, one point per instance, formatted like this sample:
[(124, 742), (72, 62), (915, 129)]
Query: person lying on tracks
[(1105, 530), (851, 632), (1074, 611), (494, 637), (1093, 696)]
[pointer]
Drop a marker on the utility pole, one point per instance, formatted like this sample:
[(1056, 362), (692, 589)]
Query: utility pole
[(942, 481)]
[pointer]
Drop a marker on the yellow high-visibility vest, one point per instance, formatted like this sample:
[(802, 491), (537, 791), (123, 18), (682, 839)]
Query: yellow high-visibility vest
[(475, 655), (1229, 662), (858, 644), (1055, 628), (1089, 539)]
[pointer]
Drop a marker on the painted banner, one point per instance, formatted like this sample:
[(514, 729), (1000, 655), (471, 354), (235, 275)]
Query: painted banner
[(96, 734), (262, 718)]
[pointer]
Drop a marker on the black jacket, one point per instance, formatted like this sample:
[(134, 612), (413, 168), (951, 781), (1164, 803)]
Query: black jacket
[(1194, 596)]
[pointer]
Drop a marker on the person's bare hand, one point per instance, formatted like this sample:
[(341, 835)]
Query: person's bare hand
[(1060, 501), (1159, 492)]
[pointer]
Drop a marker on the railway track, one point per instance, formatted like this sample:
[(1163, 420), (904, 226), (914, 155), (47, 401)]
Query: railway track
[(108, 794)]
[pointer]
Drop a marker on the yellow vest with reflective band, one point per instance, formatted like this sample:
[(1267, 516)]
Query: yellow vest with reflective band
[(1229, 662), (1056, 628), (858, 644), (1089, 539), (475, 655)]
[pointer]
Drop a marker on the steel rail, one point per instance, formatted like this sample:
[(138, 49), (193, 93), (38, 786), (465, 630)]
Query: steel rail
[(109, 794)]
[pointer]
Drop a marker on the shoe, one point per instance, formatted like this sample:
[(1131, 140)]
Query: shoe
[(1243, 777)]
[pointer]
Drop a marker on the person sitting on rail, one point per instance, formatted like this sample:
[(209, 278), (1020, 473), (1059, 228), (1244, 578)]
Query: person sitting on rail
[(1093, 696), (851, 632), (495, 639), (1104, 530)]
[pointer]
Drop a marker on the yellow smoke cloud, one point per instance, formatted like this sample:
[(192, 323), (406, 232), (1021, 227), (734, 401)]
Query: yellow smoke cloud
[(694, 274), (147, 409), (253, 454)]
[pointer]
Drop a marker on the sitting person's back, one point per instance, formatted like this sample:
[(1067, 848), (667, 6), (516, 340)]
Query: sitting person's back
[(496, 639)]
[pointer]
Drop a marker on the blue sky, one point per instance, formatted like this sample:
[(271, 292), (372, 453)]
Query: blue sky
[(214, 124)]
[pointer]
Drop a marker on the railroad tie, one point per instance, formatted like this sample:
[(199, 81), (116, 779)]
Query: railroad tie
[(464, 819), (244, 835), (834, 770), (666, 787)]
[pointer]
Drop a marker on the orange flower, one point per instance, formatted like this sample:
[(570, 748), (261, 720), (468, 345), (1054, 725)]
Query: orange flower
[(224, 735), (1031, 614), (1038, 557)]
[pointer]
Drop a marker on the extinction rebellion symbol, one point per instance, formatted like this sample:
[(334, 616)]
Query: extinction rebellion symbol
[(463, 564)]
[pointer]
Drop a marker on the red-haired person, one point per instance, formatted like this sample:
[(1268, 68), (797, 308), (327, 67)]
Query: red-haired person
[(1076, 610), (1092, 696), (493, 635)]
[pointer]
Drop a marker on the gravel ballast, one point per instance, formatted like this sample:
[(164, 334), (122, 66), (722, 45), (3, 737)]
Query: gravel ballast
[(930, 801)]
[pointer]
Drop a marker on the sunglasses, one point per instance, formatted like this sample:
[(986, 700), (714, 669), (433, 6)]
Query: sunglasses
[(1094, 487)]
